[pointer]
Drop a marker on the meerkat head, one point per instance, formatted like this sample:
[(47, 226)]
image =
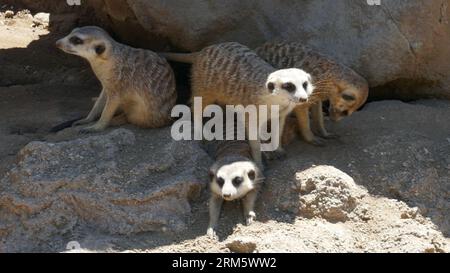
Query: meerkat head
[(233, 180), (347, 100), (292, 83), (91, 43)]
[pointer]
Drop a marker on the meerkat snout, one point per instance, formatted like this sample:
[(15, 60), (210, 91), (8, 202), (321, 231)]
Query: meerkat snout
[(295, 83), (87, 42)]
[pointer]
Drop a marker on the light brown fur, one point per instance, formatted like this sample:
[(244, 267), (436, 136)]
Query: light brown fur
[(232, 74), (333, 82), (233, 159), (138, 84)]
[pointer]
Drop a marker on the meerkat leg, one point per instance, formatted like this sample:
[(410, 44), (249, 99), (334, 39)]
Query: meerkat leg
[(112, 104), (95, 112), (318, 123), (302, 114), (248, 204), (279, 152), (215, 205)]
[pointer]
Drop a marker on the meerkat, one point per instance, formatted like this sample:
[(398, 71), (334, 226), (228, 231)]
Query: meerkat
[(138, 85), (346, 90), (234, 176), (233, 74)]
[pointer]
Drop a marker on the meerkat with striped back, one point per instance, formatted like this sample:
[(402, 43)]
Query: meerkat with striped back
[(346, 90), (232, 74), (138, 85)]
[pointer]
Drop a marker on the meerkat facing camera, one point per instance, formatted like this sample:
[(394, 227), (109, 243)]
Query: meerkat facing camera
[(138, 84), (232, 74), (346, 90), (234, 176)]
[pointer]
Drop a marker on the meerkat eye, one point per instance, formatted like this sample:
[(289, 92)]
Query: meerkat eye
[(220, 181), (251, 175), (348, 97), (76, 40), (305, 85), (237, 181), (271, 86), (289, 86), (99, 49)]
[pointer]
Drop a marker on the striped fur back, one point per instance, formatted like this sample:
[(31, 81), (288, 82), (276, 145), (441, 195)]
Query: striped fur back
[(235, 73)]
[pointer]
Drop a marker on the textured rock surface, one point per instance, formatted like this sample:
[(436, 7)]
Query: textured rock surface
[(328, 193), (396, 45), (399, 43), (375, 224), (108, 191), (98, 182), (399, 46)]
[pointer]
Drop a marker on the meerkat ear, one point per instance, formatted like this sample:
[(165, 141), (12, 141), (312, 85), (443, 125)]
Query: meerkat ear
[(100, 49), (251, 174)]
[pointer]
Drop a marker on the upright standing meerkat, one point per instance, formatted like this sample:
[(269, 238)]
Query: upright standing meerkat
[(234, 176), (344, 88), (233, 74), (137, 83)]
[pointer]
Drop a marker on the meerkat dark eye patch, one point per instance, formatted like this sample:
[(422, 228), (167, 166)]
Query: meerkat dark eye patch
[(99, 49), (252, 175), (271, 86), (345, 113), (76, 40), (305, 85), (289, 86), (348, 97), (220, 181), (237, 181)]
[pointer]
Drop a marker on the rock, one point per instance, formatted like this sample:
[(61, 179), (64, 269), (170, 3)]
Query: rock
[(241, 245), (111, 183), (389, 44), (328, 193), (9, 14), (41, 19)]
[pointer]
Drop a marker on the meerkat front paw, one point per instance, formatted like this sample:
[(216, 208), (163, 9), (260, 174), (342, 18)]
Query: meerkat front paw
[(250, 218), (80, 122), (275, 155), (330, 136), (316, 141), (327, 135), (211, 233), (91, 129)]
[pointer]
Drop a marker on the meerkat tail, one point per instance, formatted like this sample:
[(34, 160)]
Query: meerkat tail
[(64, 125), (180, 57)]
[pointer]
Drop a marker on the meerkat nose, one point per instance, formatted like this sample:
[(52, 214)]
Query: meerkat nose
[(302, 99), (227, 195)]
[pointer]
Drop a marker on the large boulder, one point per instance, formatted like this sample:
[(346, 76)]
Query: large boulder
[(398, 44), (113, 183)]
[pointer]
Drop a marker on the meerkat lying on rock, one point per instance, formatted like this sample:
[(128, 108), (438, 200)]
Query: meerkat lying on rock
[(346, 90), (138, 85)]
